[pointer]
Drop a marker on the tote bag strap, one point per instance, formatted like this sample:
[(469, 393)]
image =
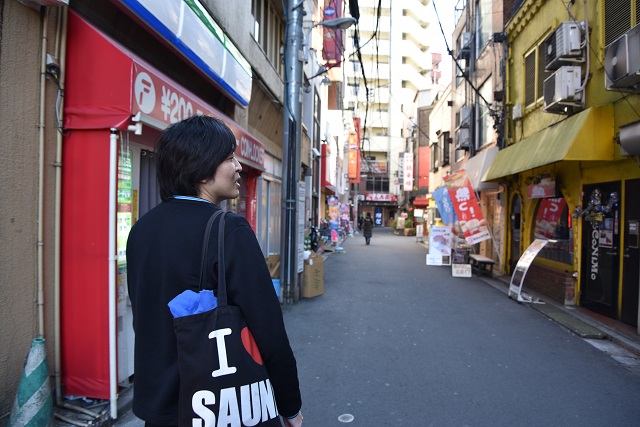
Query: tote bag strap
[(205, 247), (222, 280)]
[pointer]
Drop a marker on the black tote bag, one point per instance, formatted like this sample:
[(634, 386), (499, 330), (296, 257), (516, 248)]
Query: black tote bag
[(223, 381)]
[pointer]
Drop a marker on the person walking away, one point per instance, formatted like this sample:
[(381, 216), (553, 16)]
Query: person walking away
[(197, 170), (367, 226)]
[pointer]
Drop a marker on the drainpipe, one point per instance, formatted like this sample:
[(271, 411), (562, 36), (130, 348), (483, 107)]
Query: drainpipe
[(113, 167), (61, 49), (40, 214)]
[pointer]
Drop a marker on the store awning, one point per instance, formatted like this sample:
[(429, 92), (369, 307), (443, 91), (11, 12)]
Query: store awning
[(478, 165), (587, 136), (110, 87)]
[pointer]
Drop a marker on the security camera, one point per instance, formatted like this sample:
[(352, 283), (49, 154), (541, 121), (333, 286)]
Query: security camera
[(315, 152), (53, 68)]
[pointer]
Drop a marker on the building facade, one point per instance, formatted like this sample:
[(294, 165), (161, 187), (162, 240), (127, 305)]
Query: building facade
[(569, 167), (88, 86)]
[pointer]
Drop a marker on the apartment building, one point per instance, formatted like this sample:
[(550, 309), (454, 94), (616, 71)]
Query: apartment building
[(381, 84)]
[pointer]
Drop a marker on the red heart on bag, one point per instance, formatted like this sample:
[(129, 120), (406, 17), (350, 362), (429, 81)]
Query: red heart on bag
[(250, 345)]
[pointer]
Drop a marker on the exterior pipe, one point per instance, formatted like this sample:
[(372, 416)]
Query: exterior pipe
[(41, 114), (61, 48), (113, 167)]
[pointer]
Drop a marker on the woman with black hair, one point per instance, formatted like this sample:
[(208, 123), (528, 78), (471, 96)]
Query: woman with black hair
[(197, 170)]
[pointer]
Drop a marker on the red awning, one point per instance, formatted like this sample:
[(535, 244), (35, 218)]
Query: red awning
[(107, 85)]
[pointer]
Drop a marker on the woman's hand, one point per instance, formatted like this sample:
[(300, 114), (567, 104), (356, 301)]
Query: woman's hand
[(293, 422)]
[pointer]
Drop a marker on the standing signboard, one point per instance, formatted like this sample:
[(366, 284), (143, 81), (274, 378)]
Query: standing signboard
[(460, 266), (440, 242), (515, 286)]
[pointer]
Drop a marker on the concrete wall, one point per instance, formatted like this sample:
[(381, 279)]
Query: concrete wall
[(20, 59)]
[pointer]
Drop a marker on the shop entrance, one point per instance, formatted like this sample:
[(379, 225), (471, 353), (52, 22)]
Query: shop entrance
[(601, 255), (514, 255), (631, 254)]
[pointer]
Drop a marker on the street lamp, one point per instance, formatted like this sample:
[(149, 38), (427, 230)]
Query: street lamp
[(296, 50), (337, 23)]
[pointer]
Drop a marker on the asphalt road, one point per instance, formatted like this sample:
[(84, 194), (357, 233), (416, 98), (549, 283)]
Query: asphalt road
[(396, 342)]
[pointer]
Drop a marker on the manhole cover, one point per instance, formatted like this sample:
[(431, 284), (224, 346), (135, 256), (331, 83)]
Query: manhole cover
[(345, 418)]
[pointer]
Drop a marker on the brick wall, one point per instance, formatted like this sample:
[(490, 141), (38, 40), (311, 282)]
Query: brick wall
[(557, 285)]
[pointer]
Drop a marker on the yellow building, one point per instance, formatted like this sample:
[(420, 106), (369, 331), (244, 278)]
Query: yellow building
[(570, 169)]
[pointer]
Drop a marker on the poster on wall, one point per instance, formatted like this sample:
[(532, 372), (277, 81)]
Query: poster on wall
[(440, 244), (465, 203), (517, 279), (548, 217)]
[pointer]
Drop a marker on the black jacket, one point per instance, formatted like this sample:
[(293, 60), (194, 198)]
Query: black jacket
[(163, 259)]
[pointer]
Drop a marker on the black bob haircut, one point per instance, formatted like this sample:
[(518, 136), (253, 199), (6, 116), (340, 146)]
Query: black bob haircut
[(190, 151)]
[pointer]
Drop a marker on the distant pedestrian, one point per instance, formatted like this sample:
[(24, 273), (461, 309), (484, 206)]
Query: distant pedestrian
[(367, 226), (360, 221)]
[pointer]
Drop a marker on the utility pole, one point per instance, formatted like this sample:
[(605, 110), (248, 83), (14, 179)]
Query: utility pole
[(292, 128)]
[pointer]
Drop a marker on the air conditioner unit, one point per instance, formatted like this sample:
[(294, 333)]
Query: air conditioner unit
[(466, 115), (564, 46), (622, 62), (463, 139), (563, 89)]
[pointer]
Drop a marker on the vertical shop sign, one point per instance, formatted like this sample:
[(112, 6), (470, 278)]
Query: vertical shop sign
[(354, 160), (332, 37), (354, 153), (334, 214), (407, 175), (301, 223), (465, 203)]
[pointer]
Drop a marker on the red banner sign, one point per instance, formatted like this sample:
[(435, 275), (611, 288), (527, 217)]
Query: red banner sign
[(161, 101), (332, 37), (465, 203)]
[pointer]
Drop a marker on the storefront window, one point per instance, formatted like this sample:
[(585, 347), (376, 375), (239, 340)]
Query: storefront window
[(553, 222)]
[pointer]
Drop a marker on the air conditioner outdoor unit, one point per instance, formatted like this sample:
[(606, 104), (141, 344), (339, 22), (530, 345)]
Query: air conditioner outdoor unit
[(622, 62), (564, 45), (466, 114), (562, 90), (463, 138)]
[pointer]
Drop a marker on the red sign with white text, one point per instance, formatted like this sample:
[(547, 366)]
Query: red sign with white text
[(465, 203), (164, 102)]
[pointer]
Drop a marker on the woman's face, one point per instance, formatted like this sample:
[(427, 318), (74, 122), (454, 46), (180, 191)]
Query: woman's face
[(225, 184)]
